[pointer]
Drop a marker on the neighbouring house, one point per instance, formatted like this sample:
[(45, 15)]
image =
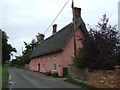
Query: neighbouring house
[(55, 53)]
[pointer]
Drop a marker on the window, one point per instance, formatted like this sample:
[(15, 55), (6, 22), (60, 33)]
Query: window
[(55, 56), (44, 58), (33, 66), (37, 67), (49, 57), (42, 66), (54, 67)]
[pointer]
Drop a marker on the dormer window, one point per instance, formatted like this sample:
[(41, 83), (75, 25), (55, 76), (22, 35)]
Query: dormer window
[(44, 58), (55, 56), (48, 56)]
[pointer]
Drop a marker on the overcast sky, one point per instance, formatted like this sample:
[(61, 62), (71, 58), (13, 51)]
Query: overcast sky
[(23, 19)]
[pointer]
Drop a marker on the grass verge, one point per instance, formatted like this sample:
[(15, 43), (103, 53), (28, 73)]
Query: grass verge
[(0, 77), (4, 77), (81, 84)]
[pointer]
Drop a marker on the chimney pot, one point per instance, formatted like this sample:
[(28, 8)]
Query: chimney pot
[(54, 28), (42, 37)]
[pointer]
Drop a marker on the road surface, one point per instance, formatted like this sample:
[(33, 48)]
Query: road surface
[(19, 78)]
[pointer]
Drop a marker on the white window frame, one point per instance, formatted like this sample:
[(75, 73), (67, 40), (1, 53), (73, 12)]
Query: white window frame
[(33, 66), (43, 65), (48, 57), (37, 67), (44, 58), (54, 67)]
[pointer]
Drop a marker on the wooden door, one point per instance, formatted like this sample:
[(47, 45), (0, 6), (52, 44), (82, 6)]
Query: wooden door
[(65, 72)]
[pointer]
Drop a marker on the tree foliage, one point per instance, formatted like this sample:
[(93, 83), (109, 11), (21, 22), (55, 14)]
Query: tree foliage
[(7, 49), (29, 48), (28, 51), (100, 46)]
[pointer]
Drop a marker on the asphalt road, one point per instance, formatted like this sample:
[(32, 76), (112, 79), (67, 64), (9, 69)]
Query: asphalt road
[(19, 78)]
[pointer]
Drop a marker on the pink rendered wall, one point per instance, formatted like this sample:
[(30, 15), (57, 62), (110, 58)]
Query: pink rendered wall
[(48, 63), (68, 52), (34, 63)]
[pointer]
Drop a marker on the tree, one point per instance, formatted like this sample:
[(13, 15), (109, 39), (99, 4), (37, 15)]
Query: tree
[(29, 48), (17, 62), (6, 48), (28, 51), (100, 46)]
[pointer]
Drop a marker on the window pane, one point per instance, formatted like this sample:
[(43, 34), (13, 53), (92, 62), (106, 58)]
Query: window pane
[(42, 66), (54, 67), (49, 57)]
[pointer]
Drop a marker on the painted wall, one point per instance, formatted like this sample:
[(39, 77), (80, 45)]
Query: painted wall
[(48, 63), (68, 52), (62, 60)]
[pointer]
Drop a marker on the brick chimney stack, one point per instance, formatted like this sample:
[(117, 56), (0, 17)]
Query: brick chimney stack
[(54, 28), (77, 12), (42, 37)]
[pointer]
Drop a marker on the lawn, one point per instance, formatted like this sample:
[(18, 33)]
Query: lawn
[(3, 77)]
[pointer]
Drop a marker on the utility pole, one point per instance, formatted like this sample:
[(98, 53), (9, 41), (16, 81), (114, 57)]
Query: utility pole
[(22, 51), (74, 28)]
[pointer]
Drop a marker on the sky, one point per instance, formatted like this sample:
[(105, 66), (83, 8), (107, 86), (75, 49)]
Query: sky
[(23, 19), (119, 15)]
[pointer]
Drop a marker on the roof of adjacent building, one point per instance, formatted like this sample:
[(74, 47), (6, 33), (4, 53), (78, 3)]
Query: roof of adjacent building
[(58, 41)]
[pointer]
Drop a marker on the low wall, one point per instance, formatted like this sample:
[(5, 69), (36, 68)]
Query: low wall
[(80, 75), (97, 78), (106, 79), (26, 66)]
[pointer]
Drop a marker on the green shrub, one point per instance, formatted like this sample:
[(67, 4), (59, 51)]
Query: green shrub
[(55, 74), (48, 73)]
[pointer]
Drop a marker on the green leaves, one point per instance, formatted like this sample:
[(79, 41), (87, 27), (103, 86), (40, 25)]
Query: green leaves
[(29, 48), (100, 47), (6, 48)]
